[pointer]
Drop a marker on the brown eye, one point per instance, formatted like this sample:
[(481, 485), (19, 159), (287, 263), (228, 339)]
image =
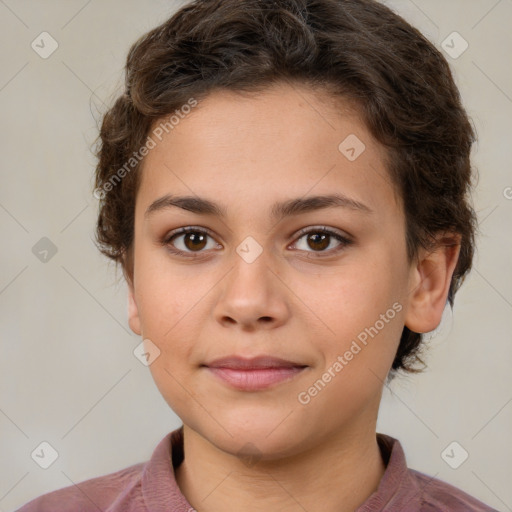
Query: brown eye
[(320, 240), (188, 241)]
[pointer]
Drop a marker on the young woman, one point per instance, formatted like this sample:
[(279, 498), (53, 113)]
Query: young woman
[(285, 185)]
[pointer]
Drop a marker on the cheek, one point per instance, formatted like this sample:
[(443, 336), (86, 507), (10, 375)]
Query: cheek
[(164, 297), (172, 305), (353, 295), (359, 310)]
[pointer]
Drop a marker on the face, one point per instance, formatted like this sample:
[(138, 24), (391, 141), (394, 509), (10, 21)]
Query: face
[(306, 283)]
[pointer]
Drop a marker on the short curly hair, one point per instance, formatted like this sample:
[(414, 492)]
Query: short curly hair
[(358, 50)]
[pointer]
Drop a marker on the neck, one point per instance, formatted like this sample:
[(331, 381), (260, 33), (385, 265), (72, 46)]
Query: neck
[(337, 476)]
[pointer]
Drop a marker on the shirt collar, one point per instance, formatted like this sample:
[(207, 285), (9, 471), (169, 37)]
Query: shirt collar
[(396, 485), (160, 489), (159, 486)]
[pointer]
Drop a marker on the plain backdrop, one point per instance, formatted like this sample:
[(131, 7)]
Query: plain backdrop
[(68, 375)]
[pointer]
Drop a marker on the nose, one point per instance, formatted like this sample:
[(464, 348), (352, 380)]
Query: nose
[(252, 296)]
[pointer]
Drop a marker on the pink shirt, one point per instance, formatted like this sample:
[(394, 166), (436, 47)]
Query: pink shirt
[(151, 487)]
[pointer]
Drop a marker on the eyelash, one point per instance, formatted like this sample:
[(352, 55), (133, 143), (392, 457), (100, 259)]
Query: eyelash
[(344, 241)]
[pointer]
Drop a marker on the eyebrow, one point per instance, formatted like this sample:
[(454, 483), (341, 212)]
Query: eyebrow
[(278, 211)]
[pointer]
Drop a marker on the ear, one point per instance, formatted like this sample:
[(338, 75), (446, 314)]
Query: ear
[(429, 283), (133, 311)]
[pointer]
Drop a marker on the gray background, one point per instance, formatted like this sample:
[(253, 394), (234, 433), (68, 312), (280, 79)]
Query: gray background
[(68, 375)]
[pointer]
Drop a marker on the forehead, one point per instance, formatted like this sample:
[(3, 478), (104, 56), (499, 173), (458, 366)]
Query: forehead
[(283, 142)]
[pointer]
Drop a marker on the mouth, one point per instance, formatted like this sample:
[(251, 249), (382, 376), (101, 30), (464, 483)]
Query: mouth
[(254, 374)]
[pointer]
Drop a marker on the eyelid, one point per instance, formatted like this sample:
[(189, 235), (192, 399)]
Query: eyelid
[(188, 229), (323, 229)]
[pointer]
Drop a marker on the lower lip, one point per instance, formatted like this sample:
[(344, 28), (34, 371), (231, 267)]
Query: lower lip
[(254, 380)]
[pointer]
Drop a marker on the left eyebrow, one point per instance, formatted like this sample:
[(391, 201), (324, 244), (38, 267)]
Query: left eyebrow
[(278, 211)]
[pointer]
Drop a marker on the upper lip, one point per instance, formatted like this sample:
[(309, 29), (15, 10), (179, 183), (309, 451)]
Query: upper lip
[(264, 361)]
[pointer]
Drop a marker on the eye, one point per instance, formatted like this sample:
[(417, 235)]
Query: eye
[(320, 239), (189, 240)]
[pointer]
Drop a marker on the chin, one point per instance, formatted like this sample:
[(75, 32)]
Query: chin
[(259, 439)]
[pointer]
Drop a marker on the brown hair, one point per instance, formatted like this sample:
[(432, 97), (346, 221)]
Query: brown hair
[(359, 50)]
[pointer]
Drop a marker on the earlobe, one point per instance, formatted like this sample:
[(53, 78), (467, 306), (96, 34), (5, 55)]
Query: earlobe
[(430, 283), (133, 312)]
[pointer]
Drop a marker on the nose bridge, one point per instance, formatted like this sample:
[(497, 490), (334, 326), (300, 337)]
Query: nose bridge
[(251, 292), (251, 267)]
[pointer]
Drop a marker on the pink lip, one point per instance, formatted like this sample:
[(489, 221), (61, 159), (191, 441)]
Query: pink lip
[(253, 374), (254, 380)]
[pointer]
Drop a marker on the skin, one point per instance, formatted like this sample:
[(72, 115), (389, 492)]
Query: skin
[(294, 301)]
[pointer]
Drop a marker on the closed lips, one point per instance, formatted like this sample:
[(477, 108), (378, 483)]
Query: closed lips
[(256, 363), (256, 374)]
